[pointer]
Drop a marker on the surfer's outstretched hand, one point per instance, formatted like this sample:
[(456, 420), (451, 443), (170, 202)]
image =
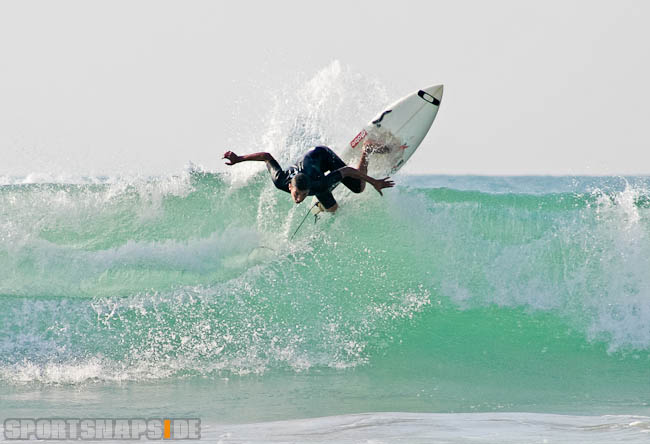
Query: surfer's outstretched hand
[(232, 157), (380, 184)]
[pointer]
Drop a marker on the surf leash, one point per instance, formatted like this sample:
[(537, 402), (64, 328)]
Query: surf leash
[(303, 221)]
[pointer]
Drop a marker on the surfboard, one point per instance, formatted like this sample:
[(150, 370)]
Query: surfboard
[(395, 133)]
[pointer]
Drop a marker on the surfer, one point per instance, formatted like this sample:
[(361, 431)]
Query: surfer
[(307, 177)]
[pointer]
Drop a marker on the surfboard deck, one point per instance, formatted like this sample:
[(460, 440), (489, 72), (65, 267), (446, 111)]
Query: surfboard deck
[(400, 127), (395, 133)]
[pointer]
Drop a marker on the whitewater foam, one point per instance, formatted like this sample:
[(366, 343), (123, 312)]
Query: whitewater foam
[(448, 428)]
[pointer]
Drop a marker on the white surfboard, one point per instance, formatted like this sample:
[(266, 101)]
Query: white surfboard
[(400, 127), (398, 130)]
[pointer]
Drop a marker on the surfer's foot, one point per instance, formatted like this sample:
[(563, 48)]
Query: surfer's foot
[(375, 148)]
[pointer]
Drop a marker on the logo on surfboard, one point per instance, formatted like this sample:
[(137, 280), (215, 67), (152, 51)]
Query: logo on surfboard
[(358, 139)]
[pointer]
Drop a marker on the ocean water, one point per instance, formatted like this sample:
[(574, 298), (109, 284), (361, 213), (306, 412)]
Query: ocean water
[(452, 309), (511, 298)]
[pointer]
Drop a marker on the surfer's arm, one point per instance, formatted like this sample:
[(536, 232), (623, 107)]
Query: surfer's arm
[(379, 184), (278, 176), (234, 158)]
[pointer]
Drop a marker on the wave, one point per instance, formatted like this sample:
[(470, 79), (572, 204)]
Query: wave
[(194, 275)]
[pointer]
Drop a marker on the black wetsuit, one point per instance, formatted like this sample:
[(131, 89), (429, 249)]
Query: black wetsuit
[(315, 164)]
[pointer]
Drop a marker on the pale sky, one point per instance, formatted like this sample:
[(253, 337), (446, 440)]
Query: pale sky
[(117, 87)]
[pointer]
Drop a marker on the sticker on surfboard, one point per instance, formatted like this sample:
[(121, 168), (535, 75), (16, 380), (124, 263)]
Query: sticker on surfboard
[(359, 138)]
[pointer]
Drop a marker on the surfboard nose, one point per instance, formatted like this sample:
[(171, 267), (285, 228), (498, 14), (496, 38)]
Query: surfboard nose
[(435, 91)]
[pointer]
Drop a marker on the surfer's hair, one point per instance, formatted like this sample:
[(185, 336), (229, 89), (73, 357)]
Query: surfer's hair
[(301, 181)]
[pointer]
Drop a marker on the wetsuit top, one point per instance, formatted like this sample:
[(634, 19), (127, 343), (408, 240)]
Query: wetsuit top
[(314, 164)]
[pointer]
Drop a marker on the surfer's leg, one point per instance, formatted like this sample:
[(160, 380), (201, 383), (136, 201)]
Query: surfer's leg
[(358, 185), (328, 201), (363, 167), (333, 162), (369, 146)]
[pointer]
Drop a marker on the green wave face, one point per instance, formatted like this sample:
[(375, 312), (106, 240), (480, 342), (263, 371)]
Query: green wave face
[(503, 297)]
